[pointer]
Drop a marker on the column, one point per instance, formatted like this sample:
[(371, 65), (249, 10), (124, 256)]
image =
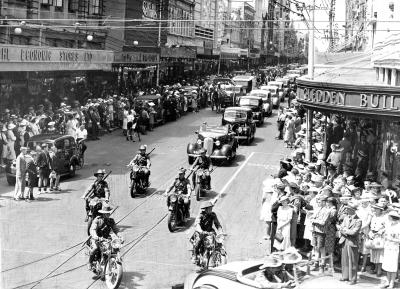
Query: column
[(386, 80), (309, 135), (381, 74), (394, 77)]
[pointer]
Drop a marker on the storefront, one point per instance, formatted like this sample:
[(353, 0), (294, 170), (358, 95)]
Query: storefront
[(177, 63), (372, 110), (136, 69), (30, 73)]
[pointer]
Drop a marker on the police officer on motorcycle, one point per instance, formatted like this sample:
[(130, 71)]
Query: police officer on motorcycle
[(204, 162), (205, 222), (101, 228), (181, 184), (99, 189), (141, 160)]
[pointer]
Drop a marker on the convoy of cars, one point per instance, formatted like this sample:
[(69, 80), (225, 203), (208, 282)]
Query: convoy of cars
[(239, 121), (255, 103)]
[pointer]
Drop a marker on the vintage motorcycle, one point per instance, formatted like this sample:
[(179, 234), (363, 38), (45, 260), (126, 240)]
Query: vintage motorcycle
[(199, 183), (95, 204), (213, 251), (138, 183), (177, 210), (107, 264)]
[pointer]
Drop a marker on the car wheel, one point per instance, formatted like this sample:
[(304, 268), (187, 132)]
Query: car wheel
[(248, 140), (11, 180), (72, 170)]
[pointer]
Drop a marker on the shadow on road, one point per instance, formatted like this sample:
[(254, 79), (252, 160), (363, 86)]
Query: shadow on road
[(131, 279), (188, 224), (208, 196)]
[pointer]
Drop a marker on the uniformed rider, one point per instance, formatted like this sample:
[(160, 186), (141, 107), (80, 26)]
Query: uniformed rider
[(102, 228), (99, 189), (141, 160), (204, 162), (181, 184), (204, 225)]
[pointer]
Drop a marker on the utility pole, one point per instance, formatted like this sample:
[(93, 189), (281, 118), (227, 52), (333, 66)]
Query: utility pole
[(309, 120), (159, 43), (331, 20)]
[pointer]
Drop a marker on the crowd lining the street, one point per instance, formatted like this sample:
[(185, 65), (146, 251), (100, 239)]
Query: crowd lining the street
[(338, 205)]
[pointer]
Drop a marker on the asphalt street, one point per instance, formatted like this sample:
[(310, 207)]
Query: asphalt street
[(31, 233)]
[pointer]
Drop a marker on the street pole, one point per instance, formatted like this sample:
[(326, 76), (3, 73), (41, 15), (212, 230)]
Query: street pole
[(311, 77), (159, 43)]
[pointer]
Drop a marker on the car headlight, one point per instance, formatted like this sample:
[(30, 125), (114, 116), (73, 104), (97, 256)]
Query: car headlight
[(217, 143), (116, 243), (240, 129), (199, 141)]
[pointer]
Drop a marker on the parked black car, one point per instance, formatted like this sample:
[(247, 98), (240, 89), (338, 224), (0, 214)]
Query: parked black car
[(65, 143), (241, 123)]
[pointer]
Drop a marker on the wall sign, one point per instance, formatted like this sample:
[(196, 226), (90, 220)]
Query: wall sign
[(349, 99), (136, 57)]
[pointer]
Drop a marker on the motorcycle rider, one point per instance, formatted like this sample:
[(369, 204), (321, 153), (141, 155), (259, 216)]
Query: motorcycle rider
[(101, 228), (141, 160), (181, 184), (203, 226), (98, 189), (203, 162)]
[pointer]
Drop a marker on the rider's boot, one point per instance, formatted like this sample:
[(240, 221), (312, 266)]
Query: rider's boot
[(208, 182)]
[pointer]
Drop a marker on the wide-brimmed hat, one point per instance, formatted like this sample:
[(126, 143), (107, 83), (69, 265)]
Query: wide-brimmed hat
[(10, 126), (52, 123), (361, 154), (378, 206), (350, 178), (99, 172), (394, 214), (206, 204), (271, 262), (346, 195), (313, 189), (281, 174), (352, 206), (106, 209), (374, 185), (317, 178), (181, 171), (284, 199), (367, 196)]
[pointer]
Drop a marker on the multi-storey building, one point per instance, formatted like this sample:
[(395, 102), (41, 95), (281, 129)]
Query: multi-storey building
[(45, 45)]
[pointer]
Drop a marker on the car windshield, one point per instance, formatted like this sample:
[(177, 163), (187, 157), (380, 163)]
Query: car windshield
[(248, 101), (229, 88), (32, 144), (260, 94), (236, 115)]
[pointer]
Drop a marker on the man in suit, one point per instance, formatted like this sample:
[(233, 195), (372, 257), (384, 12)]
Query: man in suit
[(43, 163), (349, 233)]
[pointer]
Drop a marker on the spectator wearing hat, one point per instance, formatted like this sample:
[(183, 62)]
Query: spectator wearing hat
[(20, 173), (57, 164), (319, 221), (345, 198), (10, 142), (284, 218), (364, 213), (43, 162), (377, 230), (278, 193), (391, 250), (281, 122), (335, 157), (299, 205), (289, 132), (32, 172), (70, 126), (349, 232), (331, 205)]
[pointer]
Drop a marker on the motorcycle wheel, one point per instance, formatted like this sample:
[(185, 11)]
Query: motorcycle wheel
[(172, 222), (216, 259), (197, 192), (133, 189), (113, 273)]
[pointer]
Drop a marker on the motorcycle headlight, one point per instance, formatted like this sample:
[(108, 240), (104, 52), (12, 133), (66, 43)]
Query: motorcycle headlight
[(173, 198), (217, 143), (199, 141), (116, 243)]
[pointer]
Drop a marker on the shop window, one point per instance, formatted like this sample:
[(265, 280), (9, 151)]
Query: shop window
[(45, 4)]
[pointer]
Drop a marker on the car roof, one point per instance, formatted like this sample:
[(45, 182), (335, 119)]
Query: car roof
[(47, 137), (148, 97), (243, 77), (238, 108), (251, 97), (259, 91), (268, 87)]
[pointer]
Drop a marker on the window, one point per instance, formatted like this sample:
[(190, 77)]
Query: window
[(46, 3), (58, 4), (73, 5), (96, 7)]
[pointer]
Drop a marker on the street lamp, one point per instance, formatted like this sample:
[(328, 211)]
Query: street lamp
[(135, 43), (89, 37), (17, 30)]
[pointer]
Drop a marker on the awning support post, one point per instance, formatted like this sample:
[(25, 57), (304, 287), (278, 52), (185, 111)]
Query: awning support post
[(309, 135)]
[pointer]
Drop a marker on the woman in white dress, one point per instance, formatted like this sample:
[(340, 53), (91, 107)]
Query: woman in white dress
[(377, 230), (284, 216), (125, 120), (365, 214), (390, 261)]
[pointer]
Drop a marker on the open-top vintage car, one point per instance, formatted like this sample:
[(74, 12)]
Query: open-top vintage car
[(218, 141), (241, 123), (255, 103)]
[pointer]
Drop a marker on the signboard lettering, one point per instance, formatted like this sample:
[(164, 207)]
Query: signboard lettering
[(4, 54), (349, 99), (136, 57)]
